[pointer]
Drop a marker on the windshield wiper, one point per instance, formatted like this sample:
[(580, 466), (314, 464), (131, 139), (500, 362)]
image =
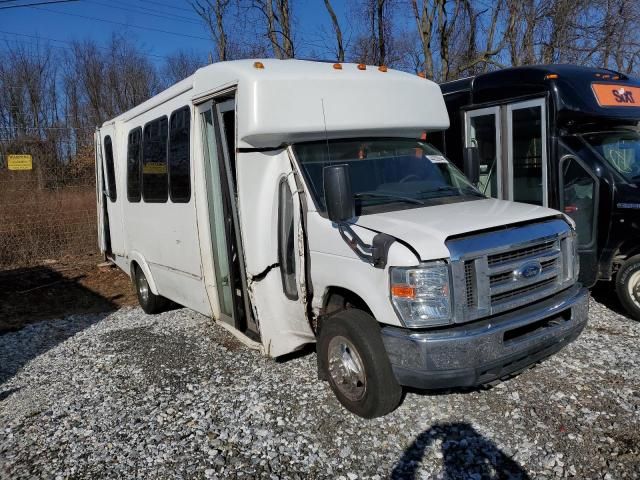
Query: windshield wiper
[(445, 188), (389, 195)]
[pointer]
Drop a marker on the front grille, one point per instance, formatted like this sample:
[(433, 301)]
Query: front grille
[(492, 272), (507, 276), (528, 290), (501, 277), (521, 253), (469, 277)]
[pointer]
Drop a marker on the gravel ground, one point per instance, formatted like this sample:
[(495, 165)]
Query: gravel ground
[(175, 396)]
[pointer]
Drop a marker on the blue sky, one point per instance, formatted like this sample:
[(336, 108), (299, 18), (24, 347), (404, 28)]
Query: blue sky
[(98, 19)]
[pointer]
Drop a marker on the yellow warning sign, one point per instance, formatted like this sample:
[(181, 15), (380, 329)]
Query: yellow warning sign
[(20, 162), (154, 168)]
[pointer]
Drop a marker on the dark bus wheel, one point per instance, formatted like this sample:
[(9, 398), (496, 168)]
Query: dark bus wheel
[(149, 301), (628, 286), (357, 365)]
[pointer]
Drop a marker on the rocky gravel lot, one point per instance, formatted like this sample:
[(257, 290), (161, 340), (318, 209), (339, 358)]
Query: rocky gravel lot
[(176, 396)]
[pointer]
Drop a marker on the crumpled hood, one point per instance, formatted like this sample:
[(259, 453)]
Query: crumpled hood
[(426, 229)]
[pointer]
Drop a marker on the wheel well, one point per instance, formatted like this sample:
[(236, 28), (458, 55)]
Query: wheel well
[(338, 298), (629, 249), (132, 270), (625, 250)]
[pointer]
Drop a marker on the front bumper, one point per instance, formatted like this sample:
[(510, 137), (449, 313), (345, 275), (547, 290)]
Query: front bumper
[(487, 350)]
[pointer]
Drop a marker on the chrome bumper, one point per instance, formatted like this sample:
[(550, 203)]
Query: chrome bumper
[(483, 351)]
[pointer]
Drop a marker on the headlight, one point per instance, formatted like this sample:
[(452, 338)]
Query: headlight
[(571, 258), (421, 295), (576, 257)]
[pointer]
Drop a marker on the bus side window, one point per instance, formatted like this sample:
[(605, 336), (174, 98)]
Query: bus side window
[(133, 164), (111, 173), (179, 158), (155, 186), (579, 192), (286, 241)]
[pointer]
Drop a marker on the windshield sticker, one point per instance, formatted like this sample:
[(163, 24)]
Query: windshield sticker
[(609, 95), (437, 159)]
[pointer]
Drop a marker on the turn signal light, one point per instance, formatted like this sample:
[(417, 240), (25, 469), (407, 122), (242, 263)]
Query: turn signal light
[(403, 291), (362, 66), (551, 76), (258, 65)]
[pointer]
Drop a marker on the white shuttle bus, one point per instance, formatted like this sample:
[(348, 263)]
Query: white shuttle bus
[(300, 202)]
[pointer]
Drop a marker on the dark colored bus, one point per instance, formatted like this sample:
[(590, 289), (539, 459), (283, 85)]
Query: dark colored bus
[(565, 137)]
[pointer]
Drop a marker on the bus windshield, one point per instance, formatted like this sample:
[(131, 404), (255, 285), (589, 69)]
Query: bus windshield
[(621, 149), (384, 171)]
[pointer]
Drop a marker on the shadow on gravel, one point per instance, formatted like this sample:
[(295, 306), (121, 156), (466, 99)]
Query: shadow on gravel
[(605, 294), (18, 348), (32, 294), (465, 454)]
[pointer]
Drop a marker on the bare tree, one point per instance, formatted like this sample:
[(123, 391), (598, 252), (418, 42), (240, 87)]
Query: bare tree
[(337, 30), (375, 42), (277, 17), (214, 14), (28, 100), (180, 65), (457, 39)]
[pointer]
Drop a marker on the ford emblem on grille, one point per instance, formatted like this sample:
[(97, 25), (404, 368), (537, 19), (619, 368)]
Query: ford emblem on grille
[(528, 270)]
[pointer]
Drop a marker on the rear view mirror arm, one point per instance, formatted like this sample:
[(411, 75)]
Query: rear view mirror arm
[(375, 254)]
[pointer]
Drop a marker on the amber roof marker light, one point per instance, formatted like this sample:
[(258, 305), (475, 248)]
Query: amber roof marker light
[(258, 65), (422, 74), (362, 66), (337, 66), (383, 68)]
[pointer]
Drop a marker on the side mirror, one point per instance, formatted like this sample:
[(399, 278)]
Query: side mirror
[(338, 196), (472, 164)]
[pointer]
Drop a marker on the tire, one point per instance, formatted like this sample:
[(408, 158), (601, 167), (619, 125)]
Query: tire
[(350, 348), (149, 301), (628, 286)]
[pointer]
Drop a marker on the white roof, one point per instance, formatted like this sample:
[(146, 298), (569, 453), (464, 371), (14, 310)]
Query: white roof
[(284, 101)]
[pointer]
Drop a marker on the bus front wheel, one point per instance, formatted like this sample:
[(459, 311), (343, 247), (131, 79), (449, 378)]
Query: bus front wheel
[(356, 364), (628, 286)]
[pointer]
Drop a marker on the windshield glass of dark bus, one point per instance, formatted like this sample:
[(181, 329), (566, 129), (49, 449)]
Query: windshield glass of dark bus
[(620, 149), (384, 171)]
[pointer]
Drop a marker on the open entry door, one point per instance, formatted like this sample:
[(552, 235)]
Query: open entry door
[(256, 233), (229, 285)]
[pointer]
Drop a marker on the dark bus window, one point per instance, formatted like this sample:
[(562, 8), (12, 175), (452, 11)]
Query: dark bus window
[(527, 155), (179, 158), (286, 242), (111, 173), (579, 189), (483, 137), (134, 150), (155, 186)]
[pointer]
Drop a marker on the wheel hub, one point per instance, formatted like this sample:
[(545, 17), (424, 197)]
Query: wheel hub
[(346, 368), (634, 288), (143, 287)]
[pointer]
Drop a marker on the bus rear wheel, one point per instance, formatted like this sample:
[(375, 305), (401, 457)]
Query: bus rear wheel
[(628, 286), (149, 301), (356, 364)]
